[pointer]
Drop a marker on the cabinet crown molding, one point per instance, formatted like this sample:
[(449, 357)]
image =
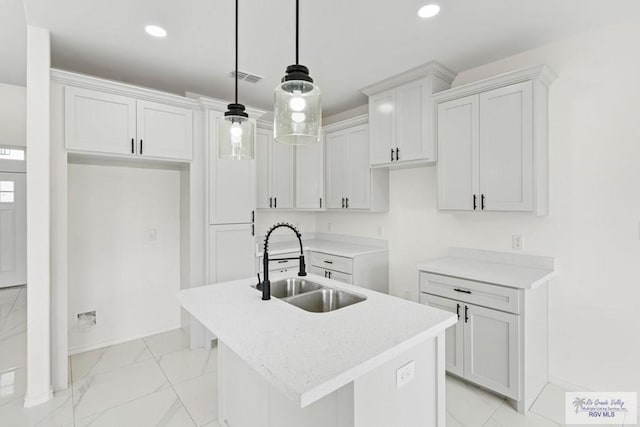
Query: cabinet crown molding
[(424, 70), (541, 73), (362, 119), (117, 88)]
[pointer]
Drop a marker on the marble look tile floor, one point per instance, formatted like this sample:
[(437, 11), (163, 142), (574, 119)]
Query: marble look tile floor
[(158, 381)]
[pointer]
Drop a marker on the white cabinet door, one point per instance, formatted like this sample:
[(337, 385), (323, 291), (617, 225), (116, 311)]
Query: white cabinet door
[(341, 277), (99, 122), (263, 144), (282, 170), (335, 145), (458, 154), (310, 176), (232, 252), (382, 121), (357, 174), (454, 336), (491, 349), (13, 229), (411, 122), (506, 148), (232, 183), (164, 131)]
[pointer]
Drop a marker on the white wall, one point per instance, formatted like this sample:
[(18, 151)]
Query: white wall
[(13, 115), (304, 221), (593, 228), (115, 267)]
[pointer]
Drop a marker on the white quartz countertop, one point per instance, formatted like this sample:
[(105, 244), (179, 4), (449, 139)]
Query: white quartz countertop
[(344, 249), (499, 273), (309, 355)]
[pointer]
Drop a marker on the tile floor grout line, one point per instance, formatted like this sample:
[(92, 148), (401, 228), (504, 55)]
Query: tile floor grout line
[(171, 385), (73, 395), (494, 412)]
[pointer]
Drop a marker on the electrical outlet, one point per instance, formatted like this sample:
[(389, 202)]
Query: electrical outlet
[(329, 226), (380, 231), (517, 242), (405, 374), (87, 319)]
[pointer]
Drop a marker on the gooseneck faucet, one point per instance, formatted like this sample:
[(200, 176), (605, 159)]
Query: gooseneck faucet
[(266, 284)]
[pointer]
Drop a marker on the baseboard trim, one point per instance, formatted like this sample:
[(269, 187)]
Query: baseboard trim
[(103, 344), (567, 385), (31, 401)]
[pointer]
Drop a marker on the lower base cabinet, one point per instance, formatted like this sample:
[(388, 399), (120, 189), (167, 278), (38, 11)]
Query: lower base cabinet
[(232, 251), (500, 341)]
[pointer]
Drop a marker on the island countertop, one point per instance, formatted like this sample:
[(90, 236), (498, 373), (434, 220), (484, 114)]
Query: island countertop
[(304, 355)]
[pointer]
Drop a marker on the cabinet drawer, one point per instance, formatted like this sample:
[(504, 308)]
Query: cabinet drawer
[(479, 293), (331, 262), (283, 264), (335, 275)]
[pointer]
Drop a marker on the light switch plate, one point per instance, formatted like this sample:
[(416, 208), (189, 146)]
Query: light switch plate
[(405, 374)]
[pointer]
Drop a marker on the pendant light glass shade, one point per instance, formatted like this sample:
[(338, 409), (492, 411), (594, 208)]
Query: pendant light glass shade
[(297, 104), (236, 136)]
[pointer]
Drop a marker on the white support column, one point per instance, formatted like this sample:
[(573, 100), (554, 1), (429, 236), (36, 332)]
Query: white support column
[(38, 218)]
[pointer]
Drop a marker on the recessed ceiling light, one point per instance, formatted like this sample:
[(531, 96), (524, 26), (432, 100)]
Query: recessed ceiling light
[(428, 11), (155, 31)]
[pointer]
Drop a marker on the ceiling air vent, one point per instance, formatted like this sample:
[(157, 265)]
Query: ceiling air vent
[(247, 77)]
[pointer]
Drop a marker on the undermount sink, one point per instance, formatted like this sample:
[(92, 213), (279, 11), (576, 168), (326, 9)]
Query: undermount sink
[(325, 300), (311, 296), (290, 287)]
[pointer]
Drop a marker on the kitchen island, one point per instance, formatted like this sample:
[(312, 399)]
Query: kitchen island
[(378, 362)]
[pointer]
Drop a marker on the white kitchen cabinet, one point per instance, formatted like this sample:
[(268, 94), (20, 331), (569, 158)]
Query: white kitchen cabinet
[(275, 172), (492, 144), (351, 184), (232, 183), (368, 270), (99, 122), (330, 274), (501, 339), (232, 251), (164, 131), (309, 182), (108, 123), (401, 116)]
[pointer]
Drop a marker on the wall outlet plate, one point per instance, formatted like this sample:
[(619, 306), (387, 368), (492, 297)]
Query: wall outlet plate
[(86, 319), (517, 242), (405, 374)]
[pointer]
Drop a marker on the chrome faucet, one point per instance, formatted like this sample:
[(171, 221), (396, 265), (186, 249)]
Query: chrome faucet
[(266, 284)]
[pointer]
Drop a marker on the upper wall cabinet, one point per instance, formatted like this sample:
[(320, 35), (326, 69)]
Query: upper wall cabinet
[(275, 164), (232, 183), (492, 144), (351, 184), (310, 176), (401, 116), (107, 123)]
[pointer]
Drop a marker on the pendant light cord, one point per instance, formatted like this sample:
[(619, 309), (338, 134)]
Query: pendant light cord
[(297, 28), (236, 51)]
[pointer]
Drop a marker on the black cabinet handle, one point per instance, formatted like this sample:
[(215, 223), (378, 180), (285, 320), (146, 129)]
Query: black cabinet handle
[(328, 262), (343, 203), (253, 230), (325, 273), (140, 146), (482, 201), (464, 291), (466, 313), (270, 202), (397, 154), (458, 310), (283, 261), (253, 216), (392, 154), (329, 275), (320, 202), (475, 202), (275, 202), (133, 149), (346, 205)]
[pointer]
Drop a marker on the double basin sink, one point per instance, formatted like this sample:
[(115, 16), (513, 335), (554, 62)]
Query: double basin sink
[(311, 296)]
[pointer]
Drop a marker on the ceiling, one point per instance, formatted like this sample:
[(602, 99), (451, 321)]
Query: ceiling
[(347, 44), (13, 43)]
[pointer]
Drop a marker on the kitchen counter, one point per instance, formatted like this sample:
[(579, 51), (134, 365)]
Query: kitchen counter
[(344, 249), (307, 356), (512, 270)]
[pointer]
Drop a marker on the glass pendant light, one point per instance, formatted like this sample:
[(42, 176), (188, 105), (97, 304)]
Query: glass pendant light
[(235, 132), (297, 110)]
